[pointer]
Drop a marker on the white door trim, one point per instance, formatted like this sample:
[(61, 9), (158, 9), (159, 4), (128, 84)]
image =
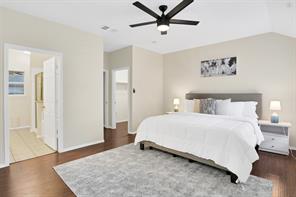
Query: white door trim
[(106, 95), (59, 89), (113, 121)]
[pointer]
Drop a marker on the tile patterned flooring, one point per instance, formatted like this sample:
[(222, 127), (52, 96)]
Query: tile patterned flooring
[(25, 145)]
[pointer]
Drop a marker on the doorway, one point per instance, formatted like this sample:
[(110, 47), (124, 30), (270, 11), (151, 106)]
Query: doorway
[(106, 98), (120, 97), (32, 102)]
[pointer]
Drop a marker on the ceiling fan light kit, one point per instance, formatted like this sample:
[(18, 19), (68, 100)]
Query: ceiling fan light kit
[(163, 22), (163, 27)]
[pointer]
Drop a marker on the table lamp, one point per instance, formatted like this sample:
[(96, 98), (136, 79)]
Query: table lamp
[(176, 103), (274, 107)]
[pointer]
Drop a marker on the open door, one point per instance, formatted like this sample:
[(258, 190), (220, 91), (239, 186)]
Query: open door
[(49, 133)]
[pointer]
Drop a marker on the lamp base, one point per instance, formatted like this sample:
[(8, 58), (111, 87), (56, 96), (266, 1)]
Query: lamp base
[(176, 110), (274, 118)]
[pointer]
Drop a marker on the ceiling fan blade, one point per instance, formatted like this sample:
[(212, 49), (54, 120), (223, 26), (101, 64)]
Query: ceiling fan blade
[(164, 33), (179, 8), (146, 9), (183, 22), (142, 24)]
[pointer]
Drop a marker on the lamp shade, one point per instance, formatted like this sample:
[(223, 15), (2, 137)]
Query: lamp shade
[(275, 105), (176, 101)]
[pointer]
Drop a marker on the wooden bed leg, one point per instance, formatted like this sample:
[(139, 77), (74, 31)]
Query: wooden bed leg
[(233, 178), (150, 147), (142, 146), (190, 160), (174, 155)]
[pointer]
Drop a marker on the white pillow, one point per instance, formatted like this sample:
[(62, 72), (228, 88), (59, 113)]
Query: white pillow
[(233, 109), (221, 106), (250, 109), (189, 105)]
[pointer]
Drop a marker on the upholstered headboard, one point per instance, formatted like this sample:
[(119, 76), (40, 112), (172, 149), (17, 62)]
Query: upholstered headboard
[(234, 97)]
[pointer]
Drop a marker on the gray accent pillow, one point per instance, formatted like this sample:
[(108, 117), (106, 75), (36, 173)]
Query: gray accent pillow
[(208, 106)]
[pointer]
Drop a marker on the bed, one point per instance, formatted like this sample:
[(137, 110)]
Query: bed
[(225, 142)]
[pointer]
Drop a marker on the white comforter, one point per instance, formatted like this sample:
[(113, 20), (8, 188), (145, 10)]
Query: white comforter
[(228, 141)]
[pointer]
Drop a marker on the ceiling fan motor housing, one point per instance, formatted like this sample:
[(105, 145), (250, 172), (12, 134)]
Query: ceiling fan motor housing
[(163, 21)]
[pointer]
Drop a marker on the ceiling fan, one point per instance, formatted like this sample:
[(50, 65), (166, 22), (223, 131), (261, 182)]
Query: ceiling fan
[(163, 22)]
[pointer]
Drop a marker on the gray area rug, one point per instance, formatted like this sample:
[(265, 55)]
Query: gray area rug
[(128, 171)]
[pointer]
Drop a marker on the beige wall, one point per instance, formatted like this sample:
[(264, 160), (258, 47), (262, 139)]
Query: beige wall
[(106, 60), (266, 64), (121, 58), (20, 105), (145, 75), (37, 59), (1, 89), (147, 79), (82, 65)]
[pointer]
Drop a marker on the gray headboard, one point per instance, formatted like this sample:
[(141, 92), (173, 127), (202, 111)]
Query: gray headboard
[(234, 97)]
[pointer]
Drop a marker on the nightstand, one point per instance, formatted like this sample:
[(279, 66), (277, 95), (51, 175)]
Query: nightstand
[(170, 112), (276, 137)]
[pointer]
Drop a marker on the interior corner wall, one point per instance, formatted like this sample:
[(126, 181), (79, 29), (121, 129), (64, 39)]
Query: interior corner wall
[(265, 64), (82, 68), (147, 80)]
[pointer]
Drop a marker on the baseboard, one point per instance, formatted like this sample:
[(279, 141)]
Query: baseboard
[(22, 127), (112, 127), (39, 136), (120, 121), (108, 127), (3, 165), (81, 146), (132, 132), (34, 130)]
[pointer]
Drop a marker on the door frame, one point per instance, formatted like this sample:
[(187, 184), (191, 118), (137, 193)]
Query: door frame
[(113, 120), (106, 95), (59, 96)]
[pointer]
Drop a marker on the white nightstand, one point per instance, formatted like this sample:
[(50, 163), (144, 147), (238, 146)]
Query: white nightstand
[(170, 112), (276, 137)]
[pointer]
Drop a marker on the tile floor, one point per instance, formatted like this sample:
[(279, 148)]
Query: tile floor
[(25, 145)]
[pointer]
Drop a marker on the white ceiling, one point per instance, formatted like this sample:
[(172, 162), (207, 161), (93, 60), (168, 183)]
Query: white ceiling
[(221, 20)]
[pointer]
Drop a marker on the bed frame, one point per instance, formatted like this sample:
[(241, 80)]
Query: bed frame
[(191, 158)]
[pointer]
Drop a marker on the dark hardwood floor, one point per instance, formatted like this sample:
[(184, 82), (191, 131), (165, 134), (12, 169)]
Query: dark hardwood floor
[(36, 177)]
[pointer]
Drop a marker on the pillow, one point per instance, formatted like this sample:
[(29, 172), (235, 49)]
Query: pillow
[(189, 105), (208, 106), (233, 109), (250, 109), (221, 106), (196, 105)]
